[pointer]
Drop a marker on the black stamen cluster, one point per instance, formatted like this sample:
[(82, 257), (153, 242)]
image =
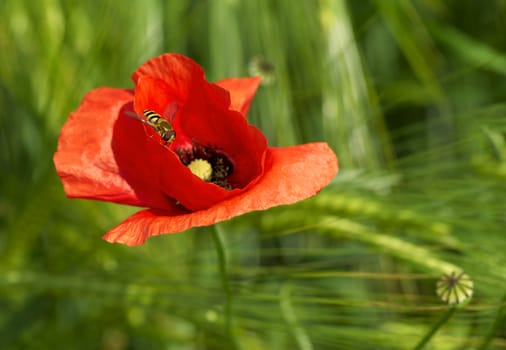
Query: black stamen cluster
[(220, 163)]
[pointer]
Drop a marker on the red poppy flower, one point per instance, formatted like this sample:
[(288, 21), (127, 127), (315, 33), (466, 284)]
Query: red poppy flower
[(182, 147)]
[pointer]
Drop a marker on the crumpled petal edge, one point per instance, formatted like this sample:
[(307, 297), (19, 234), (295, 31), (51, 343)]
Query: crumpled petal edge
[(241, 92)]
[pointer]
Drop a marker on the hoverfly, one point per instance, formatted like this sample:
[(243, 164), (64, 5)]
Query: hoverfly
[(161, 125)]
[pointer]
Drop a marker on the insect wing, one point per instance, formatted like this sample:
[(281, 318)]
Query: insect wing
[(134, 115), (170, 112)]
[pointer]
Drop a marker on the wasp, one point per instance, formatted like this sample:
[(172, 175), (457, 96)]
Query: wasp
[(162, 125)]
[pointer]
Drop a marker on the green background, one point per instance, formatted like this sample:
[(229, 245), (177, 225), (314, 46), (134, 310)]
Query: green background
[(411, 97)]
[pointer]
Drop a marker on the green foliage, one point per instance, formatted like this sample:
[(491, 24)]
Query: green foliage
[(410, 95)]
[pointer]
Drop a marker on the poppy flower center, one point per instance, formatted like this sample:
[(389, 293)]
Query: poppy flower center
[(201, 168), (207, 163)]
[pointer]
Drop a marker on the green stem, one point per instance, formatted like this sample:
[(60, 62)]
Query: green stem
[(435, 328), (222, 262)]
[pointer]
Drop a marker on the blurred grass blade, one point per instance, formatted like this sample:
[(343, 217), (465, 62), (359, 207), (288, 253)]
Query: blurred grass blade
[(350, 120), (414, 40), (476, 53)]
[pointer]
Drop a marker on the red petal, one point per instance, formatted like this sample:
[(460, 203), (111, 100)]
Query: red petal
[(148, 159), (293, 173), (179, 72), (210, 123), (204, 117), (154, 94), (241, 92), (144, 161), (86, 161)]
